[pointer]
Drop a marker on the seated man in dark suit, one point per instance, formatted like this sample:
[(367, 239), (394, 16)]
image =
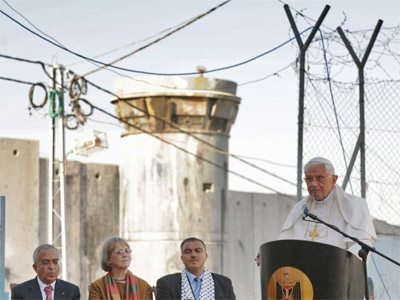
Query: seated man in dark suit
[(46, 286), (195, 281)]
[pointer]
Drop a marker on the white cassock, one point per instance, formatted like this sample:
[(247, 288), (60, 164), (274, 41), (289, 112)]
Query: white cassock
[(347, 212)]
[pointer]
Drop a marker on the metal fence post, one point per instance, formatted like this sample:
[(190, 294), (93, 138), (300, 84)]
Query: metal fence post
[(303, 48), (360, 66)]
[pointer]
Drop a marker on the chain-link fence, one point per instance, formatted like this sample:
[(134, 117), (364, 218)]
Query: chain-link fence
[(332, 127)]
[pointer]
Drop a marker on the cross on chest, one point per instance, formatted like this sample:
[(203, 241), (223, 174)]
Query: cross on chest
[(314, 234)]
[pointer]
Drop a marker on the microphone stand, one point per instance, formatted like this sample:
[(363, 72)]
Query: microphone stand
[(363, 252)]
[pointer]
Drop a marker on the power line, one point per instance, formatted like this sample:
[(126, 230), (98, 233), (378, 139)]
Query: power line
[(194, 136), (24, 60), (106, 123), (181, 25), (268, 161), (33, 25), (193, 154), (178, 27), (155, 73), (159, 39), (42, 64), (128, 45), (113, 50), (16, 80), (185, 132)]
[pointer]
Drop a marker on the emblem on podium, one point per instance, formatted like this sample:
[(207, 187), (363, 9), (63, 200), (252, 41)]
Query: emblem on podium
[(288, 283)]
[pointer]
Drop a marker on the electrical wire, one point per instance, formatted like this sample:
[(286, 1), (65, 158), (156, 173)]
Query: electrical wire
[(185, 132), (159, 39), (193, 136), (33, 25), (136, 42), (268, 161), (193, 154), (17, 80), (127, 45), (155, 73), (42, 64), (111, 51), (106, 123)]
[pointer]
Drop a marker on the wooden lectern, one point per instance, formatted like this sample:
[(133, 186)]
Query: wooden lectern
[(295, 269)]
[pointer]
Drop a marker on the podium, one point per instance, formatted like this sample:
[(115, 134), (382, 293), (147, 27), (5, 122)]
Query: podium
[(296, 269)]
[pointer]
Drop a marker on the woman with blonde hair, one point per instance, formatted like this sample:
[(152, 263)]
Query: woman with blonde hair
[(119, 283)]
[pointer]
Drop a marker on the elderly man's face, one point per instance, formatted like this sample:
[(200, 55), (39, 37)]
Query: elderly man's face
[(48, 265), (319, 182)]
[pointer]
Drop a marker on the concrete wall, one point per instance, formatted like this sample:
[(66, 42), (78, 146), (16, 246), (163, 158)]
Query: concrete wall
[(251, 220), (248, 220), (92, 211), (19, 183), (165, 200), (385, 274), (92, 214)]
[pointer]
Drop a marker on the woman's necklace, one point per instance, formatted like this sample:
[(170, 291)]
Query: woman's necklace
[(119, 279)]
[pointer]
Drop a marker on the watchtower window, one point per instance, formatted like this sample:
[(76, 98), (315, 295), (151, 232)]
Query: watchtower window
[(208, 187)]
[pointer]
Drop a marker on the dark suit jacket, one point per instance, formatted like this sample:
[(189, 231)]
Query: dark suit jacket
[(31, 290), (169, 287)]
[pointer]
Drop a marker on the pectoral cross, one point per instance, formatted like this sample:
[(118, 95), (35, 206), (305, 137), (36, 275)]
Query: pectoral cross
[(314, 234)]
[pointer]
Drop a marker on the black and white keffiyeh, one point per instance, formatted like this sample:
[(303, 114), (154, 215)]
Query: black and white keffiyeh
[(207, 287)]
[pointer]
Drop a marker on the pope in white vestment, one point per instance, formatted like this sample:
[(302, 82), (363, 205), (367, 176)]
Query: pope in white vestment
[(330, 203)]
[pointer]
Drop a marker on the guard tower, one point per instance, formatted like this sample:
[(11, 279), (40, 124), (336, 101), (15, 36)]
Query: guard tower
[(166, 193)]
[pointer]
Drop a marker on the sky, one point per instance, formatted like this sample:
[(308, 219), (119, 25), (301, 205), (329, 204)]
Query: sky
[(265, 131)]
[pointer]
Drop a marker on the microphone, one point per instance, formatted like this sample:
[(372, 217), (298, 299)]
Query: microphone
[(306, 209)]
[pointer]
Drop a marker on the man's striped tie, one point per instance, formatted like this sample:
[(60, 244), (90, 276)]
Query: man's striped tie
[(196, 288), (48, 290)]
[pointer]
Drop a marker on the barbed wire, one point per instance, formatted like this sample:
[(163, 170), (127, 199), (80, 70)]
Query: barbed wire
[(381, 59)]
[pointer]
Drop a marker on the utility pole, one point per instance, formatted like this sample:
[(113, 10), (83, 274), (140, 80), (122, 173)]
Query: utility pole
[(57, 112), (62, 174), (52, 143)]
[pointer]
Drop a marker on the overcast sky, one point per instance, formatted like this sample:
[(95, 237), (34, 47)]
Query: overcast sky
[(266, 125)]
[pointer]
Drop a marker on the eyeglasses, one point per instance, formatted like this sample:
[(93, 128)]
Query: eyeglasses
[(122, 252), (318, 179)]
